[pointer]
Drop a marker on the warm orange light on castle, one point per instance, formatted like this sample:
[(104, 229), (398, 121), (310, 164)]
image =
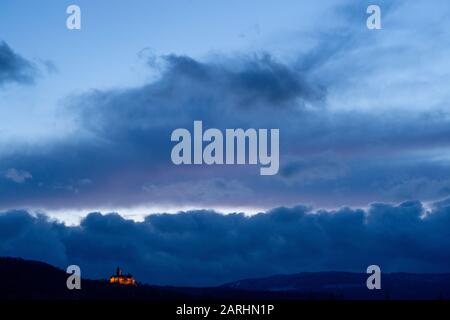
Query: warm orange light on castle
[(122, 279)]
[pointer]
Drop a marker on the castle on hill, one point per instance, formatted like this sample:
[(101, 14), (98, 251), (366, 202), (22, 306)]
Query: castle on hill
[(121, 279)]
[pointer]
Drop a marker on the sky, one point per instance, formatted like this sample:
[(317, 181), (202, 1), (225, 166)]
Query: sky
[(86, 117)]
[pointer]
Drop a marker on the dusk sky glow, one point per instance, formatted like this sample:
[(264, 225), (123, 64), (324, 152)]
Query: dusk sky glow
[(362, 119)]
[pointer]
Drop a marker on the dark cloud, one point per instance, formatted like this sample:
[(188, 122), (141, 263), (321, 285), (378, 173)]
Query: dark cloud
[(351, 132), (207, 248), (189, 90), (15, 68), (127, 152), (329, 158)]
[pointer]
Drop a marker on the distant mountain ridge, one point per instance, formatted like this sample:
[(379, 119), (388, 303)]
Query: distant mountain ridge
[(32, 280), (349, 285)]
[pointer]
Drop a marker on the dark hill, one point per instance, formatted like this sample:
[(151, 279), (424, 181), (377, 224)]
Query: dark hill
[(346, 285), (24, 279)]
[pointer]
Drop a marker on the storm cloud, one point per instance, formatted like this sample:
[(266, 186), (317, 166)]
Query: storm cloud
[(15, 68), (208, 248), (361, 119), (330, 158), (124, 135)]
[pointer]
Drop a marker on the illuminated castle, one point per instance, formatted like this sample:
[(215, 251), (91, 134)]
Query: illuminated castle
[(120, 278)]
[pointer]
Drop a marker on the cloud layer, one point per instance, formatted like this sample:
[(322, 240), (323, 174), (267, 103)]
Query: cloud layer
[(207, 248), (361, 119), (328, 157)]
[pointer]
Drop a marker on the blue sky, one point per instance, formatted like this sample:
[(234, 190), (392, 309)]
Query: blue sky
[(86, 118), (363, 115)]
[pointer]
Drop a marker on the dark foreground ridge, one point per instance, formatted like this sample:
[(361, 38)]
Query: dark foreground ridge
[(32, 280)]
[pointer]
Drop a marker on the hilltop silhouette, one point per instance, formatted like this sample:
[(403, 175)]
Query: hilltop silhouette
[(32, 280)]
